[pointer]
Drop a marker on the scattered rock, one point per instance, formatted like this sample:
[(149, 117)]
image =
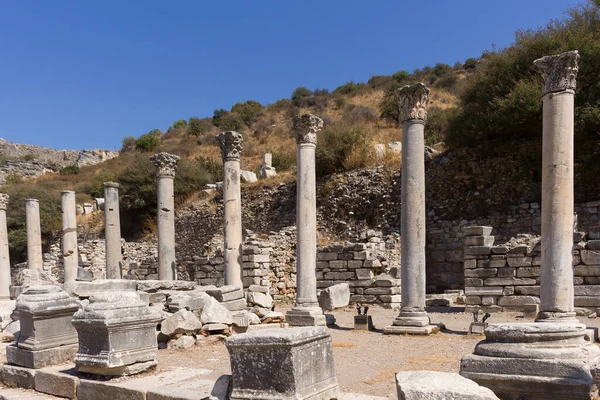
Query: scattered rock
[(214, 313), (182, 322), (183, 342), (335, 296), (260, 299)]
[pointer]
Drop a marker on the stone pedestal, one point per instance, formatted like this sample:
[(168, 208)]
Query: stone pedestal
[(69, 236), (363, 323), (34, 235), (306, 311), (117, 335), (266, 169), (295, 363), (552, 357), (112, 231), (165, 171), (47, 335), (413, 318), (231, 150), (5, 278)]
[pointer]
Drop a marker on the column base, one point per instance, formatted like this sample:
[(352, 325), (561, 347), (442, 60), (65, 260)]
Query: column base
[(411, 323), (535, 361), (306, 316)]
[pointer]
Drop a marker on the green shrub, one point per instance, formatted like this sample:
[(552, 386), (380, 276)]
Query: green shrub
[(400, 75), (340, 102), (248, 111), (212, 166), (447, 82), (284, 161), (13, 179), (380, 82), (96, 187), (128, 143), (320, 92), (438, 125), (217, 115), (69, 170), (470, 63), (300, 96), (280, 104), (147, 142), (230, 122), (359, 114), (198, 127), (348, 88), (180, 123), (336, 143), (28, 157)]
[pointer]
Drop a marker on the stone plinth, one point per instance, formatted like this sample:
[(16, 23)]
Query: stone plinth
[(295, 363), (534, 361), (47, 336), (45, 314), (117, 335)]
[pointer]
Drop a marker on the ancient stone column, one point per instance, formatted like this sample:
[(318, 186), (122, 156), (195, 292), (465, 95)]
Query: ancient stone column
[(69, 235), (5, 278), (306, 311), (165, 171), (556, 288), (231, 150), (112, 230), (34, 235), (413, 112)]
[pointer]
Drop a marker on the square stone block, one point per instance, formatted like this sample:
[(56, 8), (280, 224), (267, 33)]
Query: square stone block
[(45, 314), (363, 323), (117, 332), (40, 358), (285, 364)]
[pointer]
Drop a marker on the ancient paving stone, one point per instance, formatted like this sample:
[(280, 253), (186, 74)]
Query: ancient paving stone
[(58, 381)]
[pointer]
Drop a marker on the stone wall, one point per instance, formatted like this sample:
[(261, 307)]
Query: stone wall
[(504, 277)]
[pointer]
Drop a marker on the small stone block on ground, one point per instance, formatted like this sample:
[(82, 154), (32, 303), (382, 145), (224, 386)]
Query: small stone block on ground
[(17, 377), (477, 328), (57, 381), (40, 358), (363, 323), (433, 385)]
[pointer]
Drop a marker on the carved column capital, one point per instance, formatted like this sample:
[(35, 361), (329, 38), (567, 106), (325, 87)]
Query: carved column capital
[(165, 164), (305, 128), (559, 71), (3, 201), (412, 102), (231, 145)]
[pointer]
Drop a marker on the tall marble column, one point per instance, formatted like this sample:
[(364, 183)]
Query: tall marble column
[(112, 231), (552, 357), (413, 318), (231, 150), (306, 311), (69, 235), (165, 172), (5, 279), (34, 235), (556, 287)]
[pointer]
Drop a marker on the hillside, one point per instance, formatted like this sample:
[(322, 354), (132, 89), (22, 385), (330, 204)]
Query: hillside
[(485, 117)]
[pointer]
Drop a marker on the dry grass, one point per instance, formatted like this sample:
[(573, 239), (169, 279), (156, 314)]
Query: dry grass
[(383, 375), (344, 345)]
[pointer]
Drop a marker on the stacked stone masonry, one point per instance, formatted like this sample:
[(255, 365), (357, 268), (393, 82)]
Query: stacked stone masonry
[(505, 277)]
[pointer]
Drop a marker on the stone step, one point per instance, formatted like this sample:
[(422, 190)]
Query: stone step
[(23, 394)]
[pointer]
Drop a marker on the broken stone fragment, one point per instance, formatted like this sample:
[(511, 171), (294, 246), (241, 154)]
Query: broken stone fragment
[(182, 322)]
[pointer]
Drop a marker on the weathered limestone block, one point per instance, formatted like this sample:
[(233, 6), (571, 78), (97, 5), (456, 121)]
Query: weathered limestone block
[(86, 289), (152, 286), (215, 313), (590, 257), (190, 301), (283, 364), (433, 385), (478, 230), (260, 299), (182, 322), (117, 334), (335, 296)]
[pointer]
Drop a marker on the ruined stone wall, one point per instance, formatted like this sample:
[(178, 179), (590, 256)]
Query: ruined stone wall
[(504, 277)]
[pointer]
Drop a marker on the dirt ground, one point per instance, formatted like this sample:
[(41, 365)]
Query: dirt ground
[(365, 362)]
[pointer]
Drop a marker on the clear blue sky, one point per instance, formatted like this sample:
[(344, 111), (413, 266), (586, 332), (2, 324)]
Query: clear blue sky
[(85, 74)]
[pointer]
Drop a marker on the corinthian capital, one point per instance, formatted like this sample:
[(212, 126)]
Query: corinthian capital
[(231, 145), (412, 102), (3, 201), (305, 128), (165, 164), (559, 71)]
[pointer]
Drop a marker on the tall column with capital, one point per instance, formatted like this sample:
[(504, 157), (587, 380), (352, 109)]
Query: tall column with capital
[(556, 287), (35, 259), (231, 150), (69, 235), (413, 318), (306, 311), (5, 278), (112, 231), (165, 171)]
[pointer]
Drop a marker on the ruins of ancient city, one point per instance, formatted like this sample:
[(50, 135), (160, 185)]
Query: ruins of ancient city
[(314, 249)]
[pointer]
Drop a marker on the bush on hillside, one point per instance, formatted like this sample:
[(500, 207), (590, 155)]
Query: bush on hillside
[(502, 98), (128, 143), (400, 75), (198, 127), (180, 123), (247, 111), (214, 167), (283, 161), (230, 122), (356, 114), (300, 96), (69, 170), (337, 142), (217, 115), (147, 142), (351, 88), (380, 81), (470, 63)]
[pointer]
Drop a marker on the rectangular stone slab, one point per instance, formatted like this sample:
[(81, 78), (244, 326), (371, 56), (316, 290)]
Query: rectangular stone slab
[(40, 358), (57, 381), (294, 364)]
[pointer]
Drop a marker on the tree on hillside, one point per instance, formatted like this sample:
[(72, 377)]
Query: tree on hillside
[(247, 111)]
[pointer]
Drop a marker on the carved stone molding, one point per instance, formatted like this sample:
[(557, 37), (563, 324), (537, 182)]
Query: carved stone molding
[(231, 145), (306, 127), (165, 164), (3, 201), (412, 102), (559, 71)]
